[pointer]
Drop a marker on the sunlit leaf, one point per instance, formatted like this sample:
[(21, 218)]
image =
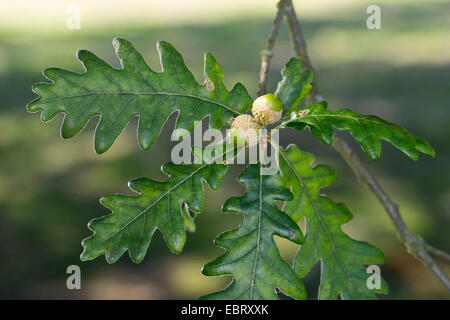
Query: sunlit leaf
[(294, 86), (342, 259), (136, 90), (159, 205), (251, 254), (367, 130)]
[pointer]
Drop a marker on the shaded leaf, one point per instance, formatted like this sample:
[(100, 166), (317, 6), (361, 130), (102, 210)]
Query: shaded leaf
[(136, 90), (342, 258), (251, 254), (367, 130)]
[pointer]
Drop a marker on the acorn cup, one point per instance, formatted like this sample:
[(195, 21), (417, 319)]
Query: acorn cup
[(267, 109), (244, 131)]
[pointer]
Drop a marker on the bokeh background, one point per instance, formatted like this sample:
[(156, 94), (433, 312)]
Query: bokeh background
[(49, 187)]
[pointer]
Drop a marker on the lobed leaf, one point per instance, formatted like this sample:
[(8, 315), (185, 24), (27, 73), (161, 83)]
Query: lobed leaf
[(294, 86), (251, 254), (159, 205), (342, 258), (367, 130), (136, 90)]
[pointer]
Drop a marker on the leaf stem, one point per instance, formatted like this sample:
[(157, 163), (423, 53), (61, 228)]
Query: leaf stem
[(414, 244)]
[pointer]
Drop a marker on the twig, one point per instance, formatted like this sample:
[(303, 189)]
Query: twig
[(438, 253), (267, 53), (296, 33), (414, 244), (299, 43)]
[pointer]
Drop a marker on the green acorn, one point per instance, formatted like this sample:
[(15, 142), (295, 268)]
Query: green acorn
[(244, 130), (267, 109)]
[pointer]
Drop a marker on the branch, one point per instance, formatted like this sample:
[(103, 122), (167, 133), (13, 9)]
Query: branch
[(296, 33), (414, 244), (299, 43), (267, 53), (438, 253)]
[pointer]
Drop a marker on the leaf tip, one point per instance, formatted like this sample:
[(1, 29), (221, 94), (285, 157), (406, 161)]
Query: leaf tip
[(104, 201), (373, 155), (177, 246), (50, 73), (87, 253), (137, 184), (212, 68), (112, 259), (101, 146), (424, 147), (293, 63), (431, 152), (100, 150), (119, 43), (84, 55), (209, 59), (136, 257), (162, 45), (84, 256), (34, 105), (208, 55), (144, 142)]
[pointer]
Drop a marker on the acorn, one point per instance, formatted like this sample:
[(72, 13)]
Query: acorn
[(267, 109), (244, 130)]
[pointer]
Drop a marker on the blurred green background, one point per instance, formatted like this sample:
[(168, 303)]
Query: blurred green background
[(49, 187)]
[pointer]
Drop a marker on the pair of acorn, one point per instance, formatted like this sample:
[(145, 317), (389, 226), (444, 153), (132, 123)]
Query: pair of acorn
[(266, 109)]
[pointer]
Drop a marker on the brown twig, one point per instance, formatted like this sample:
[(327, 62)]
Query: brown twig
[(299, 43), (267, 53), (296, 33), (414, 244), (438, 253)]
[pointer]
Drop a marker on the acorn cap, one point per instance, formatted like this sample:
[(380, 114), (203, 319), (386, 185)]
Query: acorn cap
[(245, 130), (267, 109)]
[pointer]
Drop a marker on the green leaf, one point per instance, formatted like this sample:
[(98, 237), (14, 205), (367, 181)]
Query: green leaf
[(342, 258), (294, 86), (159, 205), (367, 130), (136, 90), (251, 254)]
